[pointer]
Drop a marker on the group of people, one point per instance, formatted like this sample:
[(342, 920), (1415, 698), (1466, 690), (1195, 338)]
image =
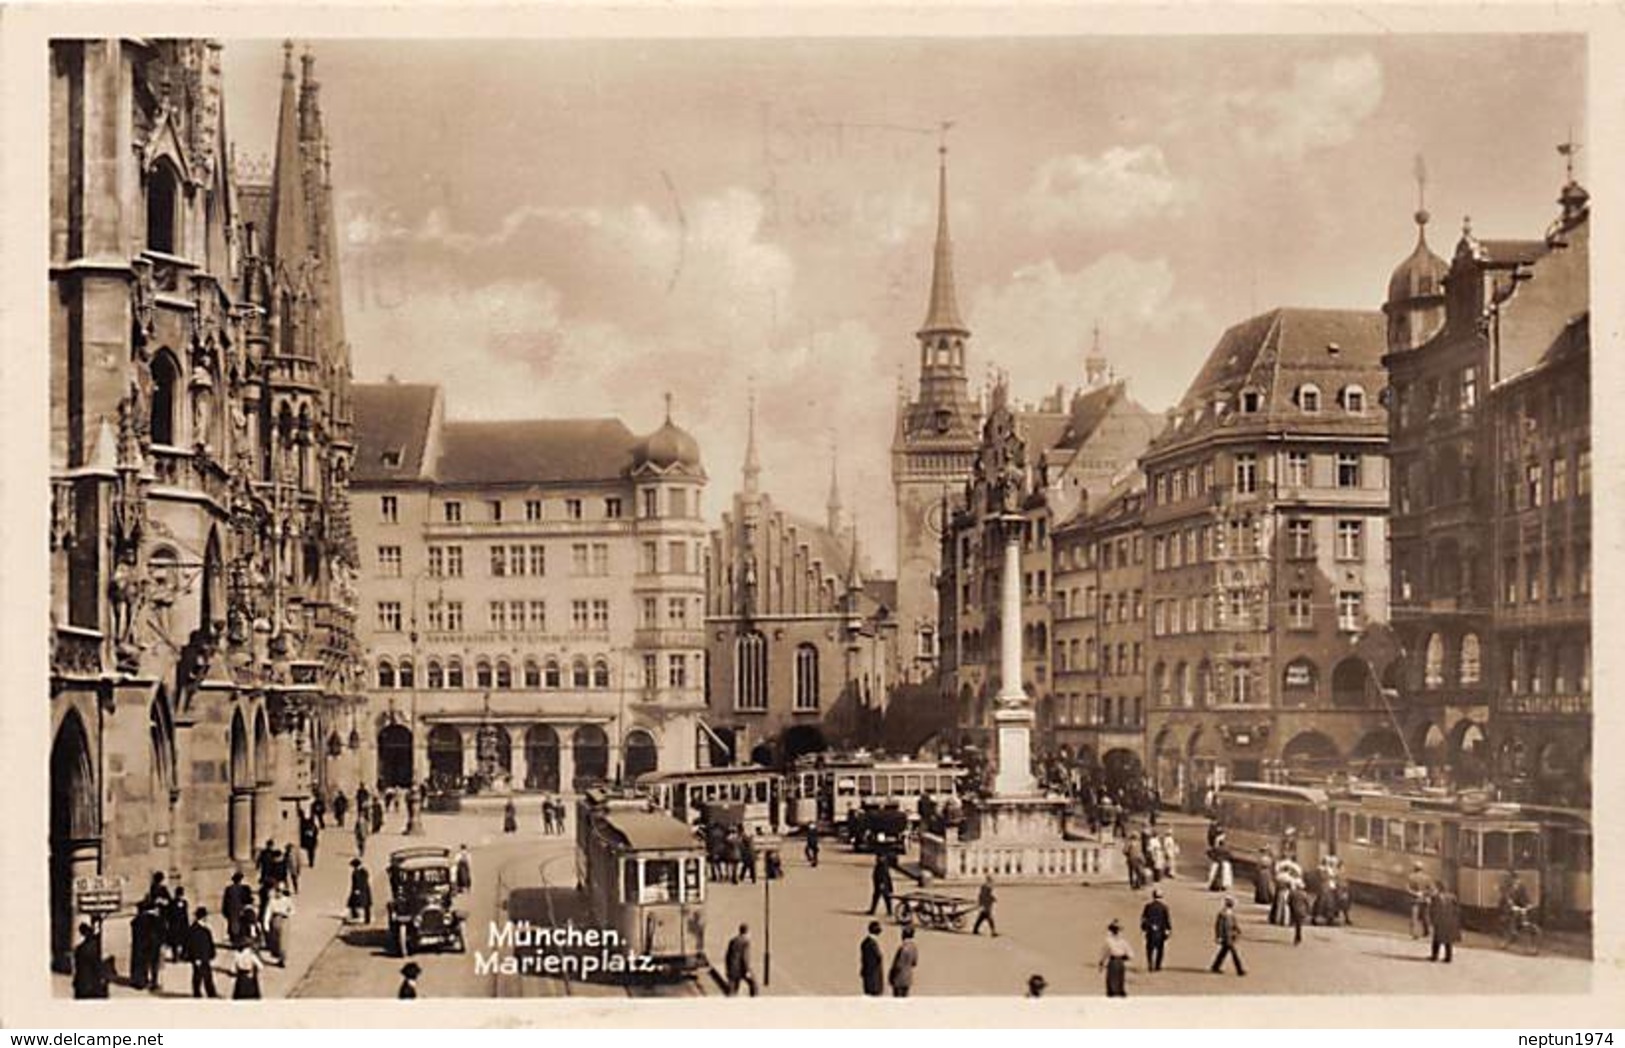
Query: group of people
[(1151, 855), (872, 970), (731, 854)]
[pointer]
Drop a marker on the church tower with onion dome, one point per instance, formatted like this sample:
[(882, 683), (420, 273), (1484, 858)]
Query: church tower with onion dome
[(933, 447)]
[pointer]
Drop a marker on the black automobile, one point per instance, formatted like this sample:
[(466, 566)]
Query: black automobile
[(422, 888), (874, 829)]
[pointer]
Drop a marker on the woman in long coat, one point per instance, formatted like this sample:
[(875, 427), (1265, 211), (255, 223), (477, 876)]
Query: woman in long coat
[(510, 817), (360, 900), (1115, 953)]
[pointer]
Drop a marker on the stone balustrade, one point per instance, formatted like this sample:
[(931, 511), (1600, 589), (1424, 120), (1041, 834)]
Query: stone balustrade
[(1061, 860)]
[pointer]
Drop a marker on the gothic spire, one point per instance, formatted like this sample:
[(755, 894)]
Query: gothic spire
[(288, 243), (942, 313), (753, 464), (833, 506)]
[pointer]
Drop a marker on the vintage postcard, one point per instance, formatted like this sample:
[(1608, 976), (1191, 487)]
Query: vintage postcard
[(519, 515)]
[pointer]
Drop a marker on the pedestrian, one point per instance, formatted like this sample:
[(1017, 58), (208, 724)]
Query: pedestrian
[(409, 981), (1226, 930), (318, 815), (880, 879), (269, 862), (252, 931), (903, 963), (176, 919), (361, 832), (1264, 878), (510, 817), (547, 815), (984, 904), (465, 869), (360, 898), (1036, 985), (747, 856), (278, 923), (1153, 855), (1287, 873), (158, 896), (89, 967), (811, 849), (146, 940), (377, 816), (732, 854), (1297, 908), (237, 898), (1445, 919), (872, 962), (1157, 924), (309, 838), (1170, 854), (246, 967), (200, 954), (1420, 886), (341, 804), (737, 963), (1115, 953), (363, 804), (290, 867)]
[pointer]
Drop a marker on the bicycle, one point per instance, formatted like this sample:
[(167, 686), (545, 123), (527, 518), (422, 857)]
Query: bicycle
[(1522, 932)]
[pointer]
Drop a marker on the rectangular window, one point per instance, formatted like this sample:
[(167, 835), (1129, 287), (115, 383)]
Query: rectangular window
[(536, 616), (494, 508), (454, 562), (1469, 388), (1300, 534), (651, 502), (1246, 472), (600, 558), (389, 561), (580, 564), (533, 510), (538, 560), (572, 509), (497, 615), (452, 512), (1139, 605), (1139, 550), (1582, 472), (1350, 539), (600, 615), (1532, 575), (437, 616), (454, 616), (1554, 567), (1532, 484), (1348, 469), (1560, 478), (1582, 570), (436, 562), (516, 560), (389, 616), (651, 671), (1299, 609), (650, 610), (612, 508), (679, 502), (1297, 469), (651, 558), (499, 561), (389, 509), (1350, 610), (1159, 618), (516, 614), (1509, 572), (677, 557), (676, 671), (677, 611), (579, 619), (1159, 552)]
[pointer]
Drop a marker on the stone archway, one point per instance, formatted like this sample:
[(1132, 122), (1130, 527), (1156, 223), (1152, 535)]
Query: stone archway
[(1123, 771), (75, 830), (801, 739), (1167, 767), (395, 756), (1312, 754), (642, 755), (542, 758), (1470, 748), (1380, 753), (591, 752), (446, 756)]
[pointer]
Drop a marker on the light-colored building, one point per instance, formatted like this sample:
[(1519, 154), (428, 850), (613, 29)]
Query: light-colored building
[(532, 595), (1266, 532), (201, 557)]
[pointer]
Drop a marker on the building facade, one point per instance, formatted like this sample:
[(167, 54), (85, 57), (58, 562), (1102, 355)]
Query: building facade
[(532, 596), (1265, 524), (802, 650), (1491, 508), (201, 558)]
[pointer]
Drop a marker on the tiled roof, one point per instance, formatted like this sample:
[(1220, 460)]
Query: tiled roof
[(1088, 411), (391, 430), (1041, 430), (535, 451)]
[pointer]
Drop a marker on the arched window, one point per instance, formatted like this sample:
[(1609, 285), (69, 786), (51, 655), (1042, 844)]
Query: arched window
[(1181, 684), (406, 674), (554, 677), (162, 191), (454, 673), (1308, 397), (164, 425), (504, 674), (600, 673), (386, 673), (533, 675), (750, 671), (1241, 685), (437, 674), (1352, 398), (1472, 660), (482, 674), (579, 675), (1159, 676), (1204, 683), (1433, 665), (806, 697)]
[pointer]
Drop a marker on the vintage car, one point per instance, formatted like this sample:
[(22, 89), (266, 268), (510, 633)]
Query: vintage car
[(422, 889), (876, 829)]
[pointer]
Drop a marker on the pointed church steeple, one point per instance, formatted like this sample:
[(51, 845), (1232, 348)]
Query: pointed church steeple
[(832, 507), (1096, 370), (289, 243), (753, 464), (942, 311)]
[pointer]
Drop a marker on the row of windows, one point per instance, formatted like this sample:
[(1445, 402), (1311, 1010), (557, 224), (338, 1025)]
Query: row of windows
[(446, 616), (1537, 667), (750, 674), (587, 559), (680, 502), (1119, 552), (531, 674), (1546, 482), (1435, 397), (1298, 470), (1524, 580), (1101, 711)]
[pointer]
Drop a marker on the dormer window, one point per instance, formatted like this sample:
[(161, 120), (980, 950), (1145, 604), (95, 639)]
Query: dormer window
[(1308, 397), (392, 458), (1353, 400), (1251, 401)]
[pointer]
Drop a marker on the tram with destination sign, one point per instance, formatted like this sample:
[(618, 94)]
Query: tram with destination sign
[(827, 790), (685, 795), (643, 873)]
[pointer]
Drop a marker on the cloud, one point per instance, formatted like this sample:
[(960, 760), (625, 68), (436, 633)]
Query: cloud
[(1322, 108), (1122, 185)]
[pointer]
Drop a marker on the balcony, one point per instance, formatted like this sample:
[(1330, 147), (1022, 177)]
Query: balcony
[(1567, 705), (177, 468), (76, 652)]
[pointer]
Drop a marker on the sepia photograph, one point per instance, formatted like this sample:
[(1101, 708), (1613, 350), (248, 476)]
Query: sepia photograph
[(700, 516)]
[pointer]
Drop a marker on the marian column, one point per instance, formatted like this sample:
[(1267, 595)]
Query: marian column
[(1014, 717)]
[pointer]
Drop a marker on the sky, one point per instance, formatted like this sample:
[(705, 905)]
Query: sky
[(577, 227)]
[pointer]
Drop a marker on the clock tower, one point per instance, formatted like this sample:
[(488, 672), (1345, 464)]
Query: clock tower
[(933, 448)]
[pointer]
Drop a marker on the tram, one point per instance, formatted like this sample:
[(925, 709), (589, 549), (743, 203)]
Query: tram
[(1567, 842), (644, 876), (757, 791), (1256, 815), (827, 790)]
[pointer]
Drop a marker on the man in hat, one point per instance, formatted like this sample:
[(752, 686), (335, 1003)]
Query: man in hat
[(1420, 886), (409, 981), (737, 962), (200, 953), (880, 878), (1445, 918), (360, 899), (872, 962), (89, 969), (1157, 924), (984, 902), (237, 898), (1226, 930), (903, 963)]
